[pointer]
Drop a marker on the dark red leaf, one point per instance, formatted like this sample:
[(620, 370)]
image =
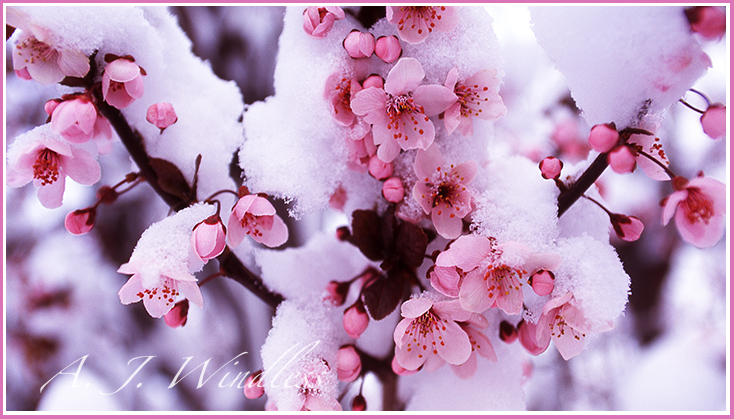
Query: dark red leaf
[(410, 244), (382, 296), (366, 234), (170, 178)]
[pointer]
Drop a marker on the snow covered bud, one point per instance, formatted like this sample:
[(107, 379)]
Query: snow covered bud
[(393, 190), (373, 81), (622, 159), (398, 370), (208, 238), (359, 44), (627, 228), (348, 364), (356, 320), (359, 404), (388, 48), (508, 332), (253, 386), (603, 137), (527, 334), (707, 21), (379, 169), (542, 282), (161, 115), (178, 315), (550, 167), (122, 81), (74, 119), (80, 221), (699, 207), (317, 21), (714, 121)]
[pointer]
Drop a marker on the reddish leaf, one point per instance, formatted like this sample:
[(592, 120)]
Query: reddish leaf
[(410, 244), (383, 295), (366, 234), (170, 178)]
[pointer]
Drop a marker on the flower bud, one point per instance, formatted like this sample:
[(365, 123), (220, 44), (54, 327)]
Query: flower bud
[(348, 364), (550, 167), (393, 190), (603, 137), (343, 233), (178, 314), (628, 228), (359, 45), (317, 21), (209, 238), (359, 404), (80, 221), (621, 159), (379, 169), (388, 48), (161, 115), (50, 105), (373, 81), (253, 386), (713, 121), (542, 282), (707, 21), (397, 369), (527, 335), (508, 332), (336, 292), (355, 320)]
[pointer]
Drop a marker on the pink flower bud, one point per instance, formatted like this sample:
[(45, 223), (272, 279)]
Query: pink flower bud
[(714, 121), (373, 81), (542, 282), (348, 364), (527, 335), (253, 386), (80, 221), (603, 137), (388, 48), (508, 332), (161, 115), (393, 190), (628, 228), (355, 320), (209, 238), (336, 292), (621, 159), (550, 167), (359, 404), (359, 45), (178, 314), (50, 105), (397, 369), (23, 74), (708, 21), (74, 119), (343, 233), (379, 169), (317, 21)]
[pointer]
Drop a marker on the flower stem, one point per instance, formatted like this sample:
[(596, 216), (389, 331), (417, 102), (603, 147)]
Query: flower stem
[(577, 189)]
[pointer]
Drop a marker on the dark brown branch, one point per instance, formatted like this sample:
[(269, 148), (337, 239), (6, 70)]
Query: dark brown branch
[(584, 182), (233, 268)]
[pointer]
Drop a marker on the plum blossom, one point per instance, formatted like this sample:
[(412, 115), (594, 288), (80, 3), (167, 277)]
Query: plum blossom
[(80, 221), (254, 216), (713, 121), (208, 238), (699, 207), (477, 97), (122, 82), (622, 159), (565, 323), (527, 334), (603, 137), (428, 335), (43, 157), (393, 190), (416, 22), (480, 345), (388, 49), (627, 227), (359, 44), (317, 21), (77, 119), (355, 320), (39, 55), (441, 190), (399, 112), (492, 272), (162, 115), (348, 364), (644, 145), (340, 91)]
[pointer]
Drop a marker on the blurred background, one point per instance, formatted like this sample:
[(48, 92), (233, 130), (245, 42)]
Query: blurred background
[(668, 353)]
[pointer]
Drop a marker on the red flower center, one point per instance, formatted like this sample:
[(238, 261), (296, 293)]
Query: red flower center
[(697, 207), (46, 167)]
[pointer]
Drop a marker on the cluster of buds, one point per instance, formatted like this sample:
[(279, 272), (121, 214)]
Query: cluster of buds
[(363, 44)]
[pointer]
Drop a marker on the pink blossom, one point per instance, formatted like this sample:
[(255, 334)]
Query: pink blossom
[(603, 137), (480, 344), (44, 158), (253, 386), (477, 98), (492, 273), (393, 190), (714, 121), (317, 21), (428, 334), (74, 119), (622, 159), (542, 282), (80, 221), (122, 82), (340, 91), (416, 22), (379, 169), (157, 286), (178, 315), (627, 228), (550, 167), (359, 44), (253, 215), (528, 336), (161, 115), (399, 112), (700, 210), (208, 238), (441, 190), (388, 48), (355, 320), (708, 21), (652, 146), (348, 364)]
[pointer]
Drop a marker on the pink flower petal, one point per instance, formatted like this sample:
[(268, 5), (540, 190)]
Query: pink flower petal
[(399, 334), (135, 87), (51, 195), (122, 70), (82, 167), (191, 291), (473, 293), (671, 204), (452, 117), (446, 281), (568, 346), (428, 162), (467, 252), (451, 310), (415, 307), (422, 194), (434, 98), (404, 77), (129, 292), (457, 348), (370, 102), (276, 236), (73, 63), (388, 149), (446, 221)]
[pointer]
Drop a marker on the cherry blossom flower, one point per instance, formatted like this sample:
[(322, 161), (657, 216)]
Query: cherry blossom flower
[(707, 21), (178, 315), (699, 207), (527, 334), (348, 364), (492, 273), (254, 216), (317, 21), (388, 49), (161, 115), (477, 97), (314, 399), (398, 370), (359, 44), (75, 119), (39, 54), (713, 121), (428, 334), (480, 345), (43, 157), (441, 190), (653, 147), (565, 323), (208, 238), (80, 221), (399, 112), (627, 228), (361, 152), (416, 22), (122, 82), (393, 190), (340, 91)]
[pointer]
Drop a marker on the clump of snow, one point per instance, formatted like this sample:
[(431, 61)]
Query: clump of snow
[(592, 47)]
